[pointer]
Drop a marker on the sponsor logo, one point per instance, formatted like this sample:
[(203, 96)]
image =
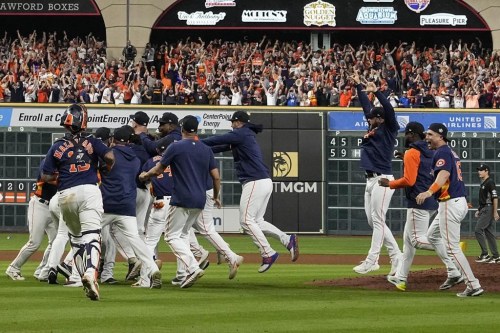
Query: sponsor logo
[(201, 18), (417, 5), (295, 187), (285, 164), (490, 122), (263, 16), (440, 162), (319, 13), (219, 3), (403, 121), (443, 19), (5, 115), (377, 15)]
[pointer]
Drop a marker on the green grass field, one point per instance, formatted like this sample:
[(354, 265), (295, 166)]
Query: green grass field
[(280, 300)]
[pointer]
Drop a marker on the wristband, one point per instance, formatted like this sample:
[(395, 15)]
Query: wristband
[(434, 188)]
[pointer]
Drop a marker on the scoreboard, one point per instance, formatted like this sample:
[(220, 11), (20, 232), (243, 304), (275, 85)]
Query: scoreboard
[(346, 181)]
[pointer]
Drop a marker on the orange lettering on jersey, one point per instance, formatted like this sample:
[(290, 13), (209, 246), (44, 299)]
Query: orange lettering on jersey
[(88, 147)]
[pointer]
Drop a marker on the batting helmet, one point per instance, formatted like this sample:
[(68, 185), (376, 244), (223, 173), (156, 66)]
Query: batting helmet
[(75, 118)]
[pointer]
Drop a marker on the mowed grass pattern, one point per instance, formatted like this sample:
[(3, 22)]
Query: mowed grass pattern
[(280, 300)]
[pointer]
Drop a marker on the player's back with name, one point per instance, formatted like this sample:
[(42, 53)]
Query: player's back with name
[(190, 162), (74, 169)]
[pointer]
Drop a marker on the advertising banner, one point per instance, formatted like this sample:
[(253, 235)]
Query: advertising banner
[(48, 7), (456, 122), (112, 118), (327, 14)]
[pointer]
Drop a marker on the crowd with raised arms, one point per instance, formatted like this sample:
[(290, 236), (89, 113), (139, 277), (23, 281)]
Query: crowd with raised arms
[(53, 67)]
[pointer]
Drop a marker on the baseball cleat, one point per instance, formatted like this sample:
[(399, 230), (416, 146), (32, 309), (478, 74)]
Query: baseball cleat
[(52, 278), (365, 267), (73, 284), (233, 267), (483, 258), (192, 278), (176, 281), (203, 261), (268, 262), (134, 269), (399, 284), (138, 284), (156, 280), (494, 260), (469, 292), (14, 275), (450, 282), (64, 269), (90, 287), (293, 247), (110, 281)]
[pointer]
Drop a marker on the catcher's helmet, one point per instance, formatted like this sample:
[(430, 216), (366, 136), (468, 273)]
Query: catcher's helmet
[(75, 117)]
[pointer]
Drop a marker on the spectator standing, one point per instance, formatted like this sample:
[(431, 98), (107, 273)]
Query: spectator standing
[(149, 56), (129, 52), (443, 100)]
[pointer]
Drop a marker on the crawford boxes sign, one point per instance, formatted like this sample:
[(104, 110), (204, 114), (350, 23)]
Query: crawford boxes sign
[(56, 7)]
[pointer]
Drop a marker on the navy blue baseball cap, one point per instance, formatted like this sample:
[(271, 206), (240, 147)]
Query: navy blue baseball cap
[(189, 124), (240, 116)]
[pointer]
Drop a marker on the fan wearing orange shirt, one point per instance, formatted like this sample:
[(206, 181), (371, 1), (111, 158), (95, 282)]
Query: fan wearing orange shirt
[(416, 178)]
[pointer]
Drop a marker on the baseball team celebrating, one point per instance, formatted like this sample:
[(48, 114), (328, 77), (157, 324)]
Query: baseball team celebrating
[(121, 191)]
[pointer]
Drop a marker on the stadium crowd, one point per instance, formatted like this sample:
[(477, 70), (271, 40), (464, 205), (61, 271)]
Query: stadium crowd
[(52, 68)]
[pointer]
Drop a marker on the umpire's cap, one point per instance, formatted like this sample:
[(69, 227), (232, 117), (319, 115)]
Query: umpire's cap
[(102, 133), (140, 117), (189, 124), (376, 112), (483, 167), (240, 116), (440, 129), (415, 127), (169, 118)]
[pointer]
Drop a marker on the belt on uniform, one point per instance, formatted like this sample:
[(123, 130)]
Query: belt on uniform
[(45, 202), (371, 174), (160, 197)]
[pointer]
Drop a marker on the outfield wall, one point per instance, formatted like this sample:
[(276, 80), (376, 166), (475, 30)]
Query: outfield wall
[(312, 154)]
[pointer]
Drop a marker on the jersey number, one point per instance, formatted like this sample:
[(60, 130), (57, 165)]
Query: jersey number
[(78, 168)]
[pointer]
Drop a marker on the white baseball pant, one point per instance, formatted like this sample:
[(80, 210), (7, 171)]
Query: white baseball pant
[(416, 233), (253, 203), (179, 222), (128, 226), (39, 223), (81, 209), (142, 206), (451, 213), (377, 200)]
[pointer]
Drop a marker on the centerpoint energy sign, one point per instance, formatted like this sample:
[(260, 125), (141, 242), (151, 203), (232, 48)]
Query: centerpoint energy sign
[(324, 14)]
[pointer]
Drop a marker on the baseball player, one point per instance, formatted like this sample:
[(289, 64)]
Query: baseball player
[(487, 214), (449, 189), (140, 120), (119, 197), (416, 178), (257, 187), (168, 129), (191, 162), (73, 161), (376, 159), (39, 222)]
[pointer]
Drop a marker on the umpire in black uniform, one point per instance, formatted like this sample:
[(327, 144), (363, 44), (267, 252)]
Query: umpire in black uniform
[(487, 214)]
